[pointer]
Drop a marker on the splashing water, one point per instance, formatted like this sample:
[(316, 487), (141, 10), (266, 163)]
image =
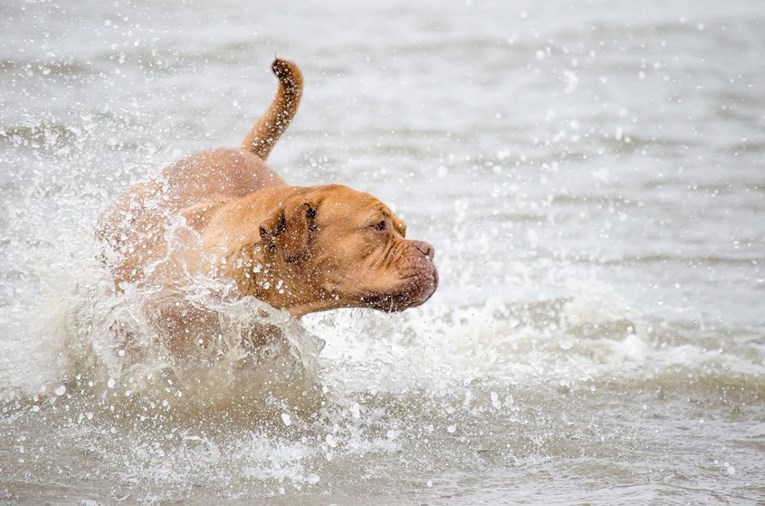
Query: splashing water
[(590, 177)]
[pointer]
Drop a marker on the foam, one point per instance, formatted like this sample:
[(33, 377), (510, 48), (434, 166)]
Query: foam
[(589, 339), (103, 344)]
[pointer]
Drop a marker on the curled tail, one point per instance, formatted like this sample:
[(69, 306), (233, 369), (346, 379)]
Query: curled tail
[(274, 122)]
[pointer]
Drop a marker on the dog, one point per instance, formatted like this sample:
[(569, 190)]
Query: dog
[(224, 214)]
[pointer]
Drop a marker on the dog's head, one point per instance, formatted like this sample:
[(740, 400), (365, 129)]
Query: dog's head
[(332, 246)]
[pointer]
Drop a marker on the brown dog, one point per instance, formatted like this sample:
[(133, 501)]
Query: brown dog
[(225, 214)]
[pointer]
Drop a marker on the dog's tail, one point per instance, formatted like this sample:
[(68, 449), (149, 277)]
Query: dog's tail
[(274, 122)]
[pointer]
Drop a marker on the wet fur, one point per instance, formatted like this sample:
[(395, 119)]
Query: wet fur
[(224, 213)]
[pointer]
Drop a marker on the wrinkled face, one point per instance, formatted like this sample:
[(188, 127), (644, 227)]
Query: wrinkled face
[(351, 251)]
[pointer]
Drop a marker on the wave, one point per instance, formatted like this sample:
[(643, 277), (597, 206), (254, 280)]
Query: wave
[(50, 135), (88, 341), (590, 340), (70, 67), (95, 342)]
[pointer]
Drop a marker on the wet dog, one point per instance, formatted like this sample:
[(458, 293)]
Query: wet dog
[(225, 214)]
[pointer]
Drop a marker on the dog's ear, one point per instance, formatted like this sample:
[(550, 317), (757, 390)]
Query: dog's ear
[(288, 230)]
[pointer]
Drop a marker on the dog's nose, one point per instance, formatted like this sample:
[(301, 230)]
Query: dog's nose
[(425, 248)]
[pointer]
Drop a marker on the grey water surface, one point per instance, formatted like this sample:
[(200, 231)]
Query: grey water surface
[(591, 174)]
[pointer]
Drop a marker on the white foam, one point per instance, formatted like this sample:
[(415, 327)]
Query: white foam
[(82, 331), (593, 336)]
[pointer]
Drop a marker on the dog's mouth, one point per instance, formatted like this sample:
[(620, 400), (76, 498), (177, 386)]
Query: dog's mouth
[(413, 290)]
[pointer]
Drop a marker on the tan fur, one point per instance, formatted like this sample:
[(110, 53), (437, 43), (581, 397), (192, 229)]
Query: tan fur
[(271, 125), (225, 214)]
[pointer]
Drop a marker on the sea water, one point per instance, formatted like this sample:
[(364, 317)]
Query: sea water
[(590, 174)]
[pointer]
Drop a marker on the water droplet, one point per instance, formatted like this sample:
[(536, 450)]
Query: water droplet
[(495, 401)]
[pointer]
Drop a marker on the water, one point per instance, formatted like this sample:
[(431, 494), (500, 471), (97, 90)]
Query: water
[(590, 173)]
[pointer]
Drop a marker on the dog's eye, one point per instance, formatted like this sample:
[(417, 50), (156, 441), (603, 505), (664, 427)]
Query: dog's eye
[(381, 225)]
